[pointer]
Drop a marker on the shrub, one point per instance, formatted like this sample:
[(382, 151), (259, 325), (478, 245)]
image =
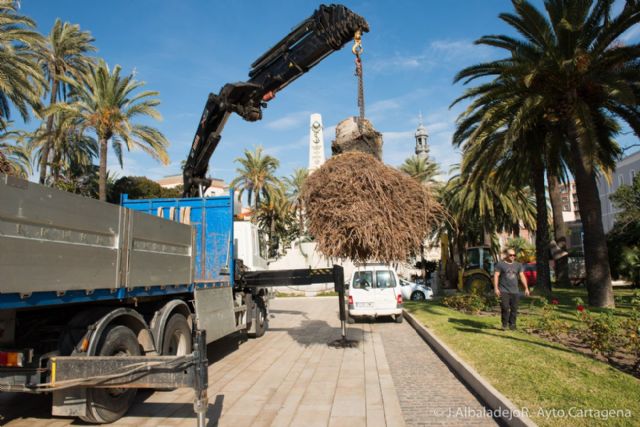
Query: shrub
[(631, 331), (468, 303), (549, 321), (602, 333)]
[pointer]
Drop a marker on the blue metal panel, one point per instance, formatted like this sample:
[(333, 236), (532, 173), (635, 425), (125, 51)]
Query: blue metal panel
[(212, 219), (41, 299)]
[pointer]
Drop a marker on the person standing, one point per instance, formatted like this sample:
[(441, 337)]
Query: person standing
[(505, 286)]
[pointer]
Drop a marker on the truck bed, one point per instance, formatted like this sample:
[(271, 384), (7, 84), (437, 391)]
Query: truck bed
[(59, 247)]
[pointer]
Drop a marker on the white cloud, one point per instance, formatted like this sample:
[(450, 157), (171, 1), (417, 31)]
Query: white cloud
[(290, 121), (438, 53)]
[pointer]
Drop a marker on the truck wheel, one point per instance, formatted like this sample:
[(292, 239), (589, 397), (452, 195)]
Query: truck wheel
[(176, 340), (260, 319), (477, 284), (399, 318), (106, 405)]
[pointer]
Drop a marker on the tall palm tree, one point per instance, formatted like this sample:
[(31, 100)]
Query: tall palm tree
[(580, 79), (21, 81), (423, 170), (256, 176), (14, 155), (517, 162), (294, 192), (106, 104), (62, 56)]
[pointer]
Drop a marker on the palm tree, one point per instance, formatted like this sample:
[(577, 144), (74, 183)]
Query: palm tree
[(423, 170), (580, 79), (294, 193), (560, 231), (21, 80), (73, 150), (477, 211), (62, 56), (106, 104), (256, 176), (276, 217), (14, 156)]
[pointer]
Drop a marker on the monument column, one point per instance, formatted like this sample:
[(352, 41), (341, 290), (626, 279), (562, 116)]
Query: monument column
[(316, 142)]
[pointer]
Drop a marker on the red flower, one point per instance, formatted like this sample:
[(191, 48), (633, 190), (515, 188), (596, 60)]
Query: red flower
[(580, 308), (555, 301)]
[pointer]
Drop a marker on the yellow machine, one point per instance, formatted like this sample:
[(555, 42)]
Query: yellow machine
[(478, 270)]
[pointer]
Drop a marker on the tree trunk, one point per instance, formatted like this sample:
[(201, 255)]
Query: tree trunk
[(102, 179), (596, 255), (301, 221), (559, 230), (44, 160), (542, 227)]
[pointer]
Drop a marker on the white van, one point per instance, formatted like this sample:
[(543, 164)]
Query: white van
[(373, 291)]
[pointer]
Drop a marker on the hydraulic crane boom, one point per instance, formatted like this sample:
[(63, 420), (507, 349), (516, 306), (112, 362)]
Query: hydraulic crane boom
[(326, 31)]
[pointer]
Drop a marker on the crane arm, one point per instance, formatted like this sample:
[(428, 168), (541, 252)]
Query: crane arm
[(326, 31)]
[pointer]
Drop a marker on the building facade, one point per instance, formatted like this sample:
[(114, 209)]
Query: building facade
[(569, 196), (217, 188), (626, 170)]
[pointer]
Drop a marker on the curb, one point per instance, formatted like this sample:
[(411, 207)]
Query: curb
[(502, 407)]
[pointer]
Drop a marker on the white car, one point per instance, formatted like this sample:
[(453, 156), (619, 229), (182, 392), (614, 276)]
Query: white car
[(374, 291), (415, 292)]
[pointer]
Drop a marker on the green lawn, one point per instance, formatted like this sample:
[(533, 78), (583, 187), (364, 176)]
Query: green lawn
[(534, 373)]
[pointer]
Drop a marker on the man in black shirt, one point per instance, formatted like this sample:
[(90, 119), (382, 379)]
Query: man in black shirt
[(505, 285)]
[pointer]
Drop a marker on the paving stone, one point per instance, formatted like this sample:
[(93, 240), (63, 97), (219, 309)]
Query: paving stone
[(428, 391), (291, 377)]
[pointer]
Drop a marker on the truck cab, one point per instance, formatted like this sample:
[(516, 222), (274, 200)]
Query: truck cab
[(250, 247)]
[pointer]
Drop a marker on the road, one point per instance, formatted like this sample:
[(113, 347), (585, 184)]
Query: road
[(292, 377)]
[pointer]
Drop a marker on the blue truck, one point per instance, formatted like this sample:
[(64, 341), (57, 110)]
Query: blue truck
[(98, 300)]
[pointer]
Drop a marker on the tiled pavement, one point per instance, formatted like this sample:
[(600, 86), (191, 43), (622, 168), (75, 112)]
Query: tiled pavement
[(428, 391), (291, 377)]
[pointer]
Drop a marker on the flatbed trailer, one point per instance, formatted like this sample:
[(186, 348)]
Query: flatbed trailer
[(97, 300)]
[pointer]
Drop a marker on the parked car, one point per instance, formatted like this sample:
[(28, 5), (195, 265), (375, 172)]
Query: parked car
[(415, 291), (531, 273), (373, 291)]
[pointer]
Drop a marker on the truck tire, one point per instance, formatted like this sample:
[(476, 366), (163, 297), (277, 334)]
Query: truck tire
[(260, 319), (176, 340), (477, 284), (106, 405), (399, 318)]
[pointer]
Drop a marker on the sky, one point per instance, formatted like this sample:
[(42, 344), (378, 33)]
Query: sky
[(187, 49)]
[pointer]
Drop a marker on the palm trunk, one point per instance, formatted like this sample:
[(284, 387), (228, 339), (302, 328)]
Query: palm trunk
[(44, 160), (542, 227), (102, 178), (301, 222), (596, 255), (559, 230), (272, 237)]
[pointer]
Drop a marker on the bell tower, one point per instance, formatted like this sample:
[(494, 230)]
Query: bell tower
[(422, 149)]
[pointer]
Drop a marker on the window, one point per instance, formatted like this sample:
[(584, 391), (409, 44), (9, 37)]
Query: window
[(362, 280), (385, 279), (632, 174), (620, 180)]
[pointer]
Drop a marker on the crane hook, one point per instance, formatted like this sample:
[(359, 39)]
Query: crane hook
[(357, 43)]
